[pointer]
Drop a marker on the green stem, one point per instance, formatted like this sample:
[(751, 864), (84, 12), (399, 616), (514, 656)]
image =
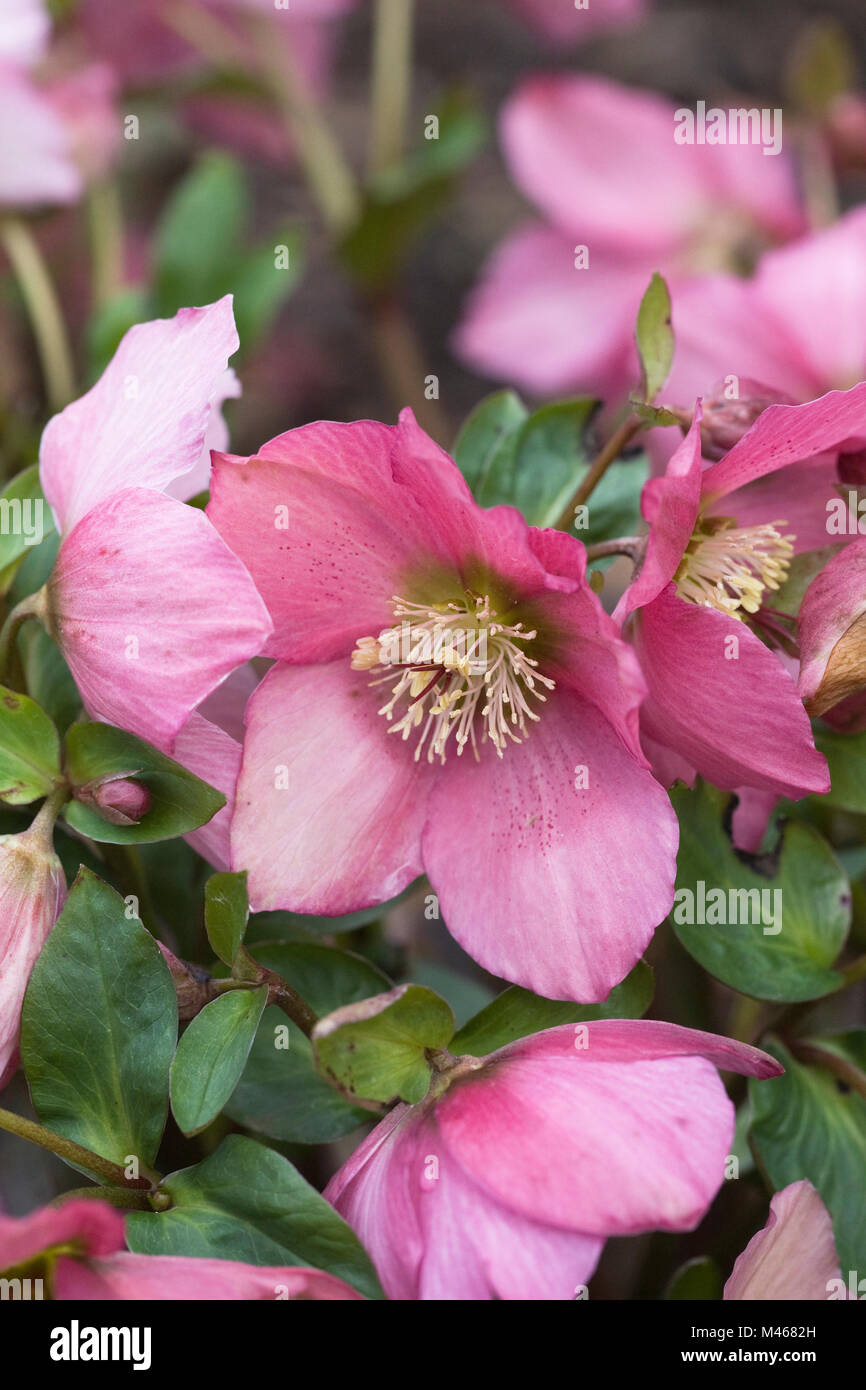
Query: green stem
[(127, 1198), (328, 175), (630, 426), (111, 1173), (105, 219), (855, 972), (33, 606), (622, 545), (43, 309), (391, 82), (745, 1017)]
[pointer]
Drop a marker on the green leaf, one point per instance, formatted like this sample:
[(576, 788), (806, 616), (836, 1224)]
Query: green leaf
[(550, 457), (697, 1280), (48, 677), (807, 1124), (281, 1094), (200, 233), (846, 759), (797, 914), (29, 749), (246, 1202), (614, 507), (484, 448), (376, 1049), (226, 909), (260, 285), (655, 338), (212, 1054), (516, 1013), (99, 1027), (25, 519), (180, 802)]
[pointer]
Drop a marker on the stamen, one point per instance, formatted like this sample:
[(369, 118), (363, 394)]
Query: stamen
[(731, 568), (452, 662)]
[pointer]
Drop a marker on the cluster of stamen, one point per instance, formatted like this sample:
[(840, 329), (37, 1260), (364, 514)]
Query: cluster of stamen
[(449, 663), (731, 567)]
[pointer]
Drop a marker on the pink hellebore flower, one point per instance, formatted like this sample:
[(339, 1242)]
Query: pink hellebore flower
[(147, 603), (508, 1178), (556, 306), (720, 541), (564, 21), (76, 1249), (37, 163), (400, 607), (32, 889), (794, 1257), (798, 325)]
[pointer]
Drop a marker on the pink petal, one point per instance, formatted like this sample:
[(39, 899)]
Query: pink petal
[(796, 495), (92, 1227), (36, 164), (694, 687), (786, 434), (25, 27), (817, 286), (144, 422), (793, 1257), (206, 750), (535, 319), (751, 817), (434, 1233), (564, 22), (670, 504), (32, 890), (151, 611), (834, 602), (628, 1132), (216, 438), (588, 151), (329, 807), (157, 1278), (574, 881)]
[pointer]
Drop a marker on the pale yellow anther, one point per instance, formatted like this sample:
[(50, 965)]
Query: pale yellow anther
[(732, 568)]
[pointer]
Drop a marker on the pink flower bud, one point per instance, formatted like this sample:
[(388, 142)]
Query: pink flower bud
[(32, 889), (726, 421), (120, 800)]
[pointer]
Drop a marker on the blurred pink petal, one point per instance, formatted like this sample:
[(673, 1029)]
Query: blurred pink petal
[(36, 155), (794, 1257), (32, 890), (126, 1276), (25, 27), (562, 21)]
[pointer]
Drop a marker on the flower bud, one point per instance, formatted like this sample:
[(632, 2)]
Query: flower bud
[(190, 983), (32, 889), (725, 421), (119, 800)]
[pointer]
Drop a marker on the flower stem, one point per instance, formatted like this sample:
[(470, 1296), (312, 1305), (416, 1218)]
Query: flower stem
[(111, 1173), (622, 545), (328, 175), (630, 426), (391, 81), (105, 220), (43, 309), (839, 1067), (402, 364), (33, 606)]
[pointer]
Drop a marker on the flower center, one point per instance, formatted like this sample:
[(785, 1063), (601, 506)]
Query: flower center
[(730, 567), (452, 666)]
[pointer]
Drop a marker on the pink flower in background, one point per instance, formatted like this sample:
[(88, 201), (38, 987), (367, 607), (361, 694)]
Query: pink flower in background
[(600, 162), (149, 606), (562, 21), (798, 325), (794, 1256), (507, 1183), (24, 31), (402, 608), (720, 541), (32, 889), (77, 1250), (37, 164)]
